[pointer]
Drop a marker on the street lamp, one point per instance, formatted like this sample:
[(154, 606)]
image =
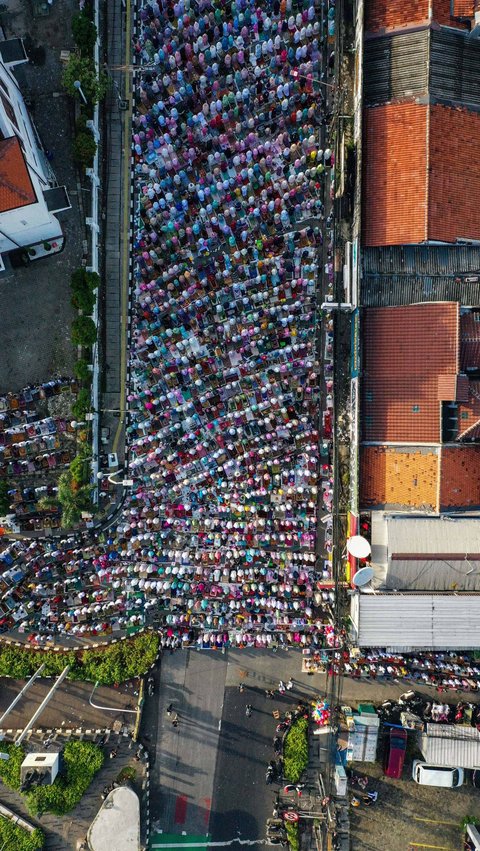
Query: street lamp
[(78, 86), (127, 483)]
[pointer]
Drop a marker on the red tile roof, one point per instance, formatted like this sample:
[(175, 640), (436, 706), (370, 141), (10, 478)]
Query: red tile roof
[(454, 184), (469, 414), (392, 14), (469, 340), (463, 8), (16, 189), (460, 477), (421, 174), (397, 14), (395, 174), (399, 477), (452, 388), (405, 350)]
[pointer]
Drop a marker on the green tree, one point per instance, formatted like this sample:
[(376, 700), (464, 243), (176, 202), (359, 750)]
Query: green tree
[(4, 497), (73, 498), (84, 332), (83, 69), (82, 371), (85, 33), (84, 148), (82, 404)]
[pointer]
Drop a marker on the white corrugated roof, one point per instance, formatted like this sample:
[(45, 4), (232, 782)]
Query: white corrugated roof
[(427, 621), (433, 534), (446, 744)]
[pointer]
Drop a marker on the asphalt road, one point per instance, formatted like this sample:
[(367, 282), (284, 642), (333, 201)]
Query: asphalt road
[(242, 801), (208, 775)]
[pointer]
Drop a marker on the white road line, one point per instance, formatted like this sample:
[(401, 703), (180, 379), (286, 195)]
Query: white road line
[(211, 844)]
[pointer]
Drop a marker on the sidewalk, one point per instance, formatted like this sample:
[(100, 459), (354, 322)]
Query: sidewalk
[(116, 148)]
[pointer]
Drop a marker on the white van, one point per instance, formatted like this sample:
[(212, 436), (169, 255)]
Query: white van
[(437, 775)]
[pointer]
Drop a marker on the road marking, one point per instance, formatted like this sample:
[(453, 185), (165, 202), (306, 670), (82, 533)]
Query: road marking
[(208, 807), (435, 821), (439, 847), (228, 843), (180, 809), (220, 724)]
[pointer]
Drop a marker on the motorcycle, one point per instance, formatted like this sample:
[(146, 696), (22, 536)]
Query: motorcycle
[(270, 776), (248, 710), (277, 745)]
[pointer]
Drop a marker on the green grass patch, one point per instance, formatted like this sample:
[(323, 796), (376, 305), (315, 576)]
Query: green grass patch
[(127, 773), (295, 750), (81, 761), (292, 835), (14, 837), (111, 664)]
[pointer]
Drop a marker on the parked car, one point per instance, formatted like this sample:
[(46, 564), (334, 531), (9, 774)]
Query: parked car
[(395, 753), (437, 775)]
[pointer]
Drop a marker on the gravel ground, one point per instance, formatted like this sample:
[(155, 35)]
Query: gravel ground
[(36, 312), (407, 813)]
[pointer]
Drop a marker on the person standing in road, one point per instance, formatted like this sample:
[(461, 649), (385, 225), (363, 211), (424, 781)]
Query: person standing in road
[(289, 685), (281, 687)]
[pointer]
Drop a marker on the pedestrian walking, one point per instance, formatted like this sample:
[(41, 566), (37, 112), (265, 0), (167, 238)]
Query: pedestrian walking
[(289, 685), (281, 687), (169, 709), (175, 721)]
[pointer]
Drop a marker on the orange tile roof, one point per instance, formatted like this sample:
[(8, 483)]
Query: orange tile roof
[(391, 14), (405, 350), (397, 14), (454, 184), (460, 477), (421, 174), (395, 174), (16, 189), (469, 414), (463, 8), (452, 388), (398, 477)]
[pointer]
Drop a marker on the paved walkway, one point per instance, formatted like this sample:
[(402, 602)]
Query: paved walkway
[(116, 228)]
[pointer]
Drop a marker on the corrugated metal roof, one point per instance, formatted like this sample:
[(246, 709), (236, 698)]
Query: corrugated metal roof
[(391, 290), (445, 744), (397, 275), (420, 621), (435, 260), (433, 574), (454, 68), (395, 67), (432, 534)]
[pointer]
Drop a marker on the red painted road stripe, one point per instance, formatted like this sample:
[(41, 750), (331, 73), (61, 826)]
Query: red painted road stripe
[(180, 809), (208, 806)]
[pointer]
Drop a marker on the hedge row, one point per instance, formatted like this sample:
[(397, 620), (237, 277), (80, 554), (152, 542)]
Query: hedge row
[(295, 750), (110, 664)]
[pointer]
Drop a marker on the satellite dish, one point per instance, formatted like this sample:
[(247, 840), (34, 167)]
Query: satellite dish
[(358, 547), (362, 576)]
